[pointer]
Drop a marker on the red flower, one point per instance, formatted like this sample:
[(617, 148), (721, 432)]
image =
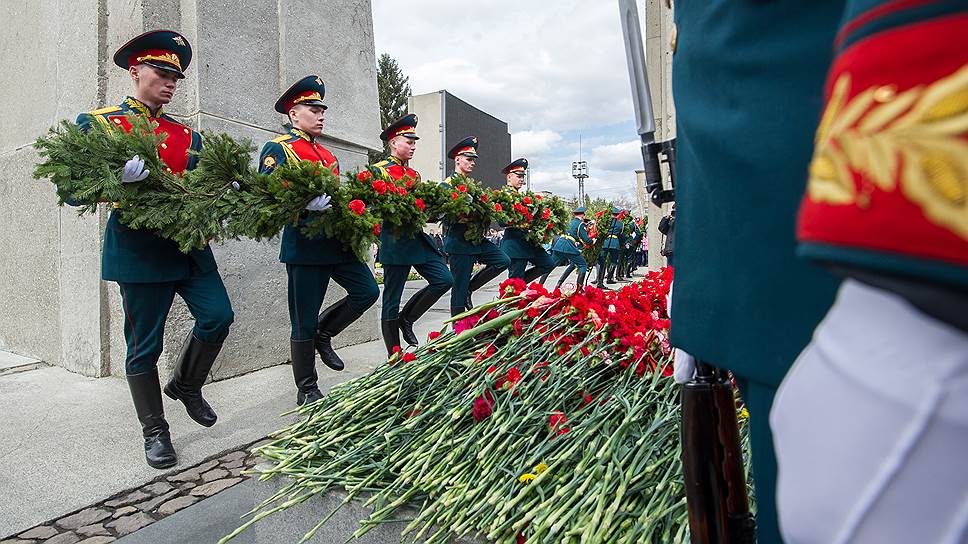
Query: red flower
[(526, 200), (285, 183), (402, 191), (396, 349), (556, 422), (379, 186), (537, 197), (512, 287), (419, 203), (357, 206), (467, 323), (412, 413), (365, 175), (409, 184), (462, 188), (391, 188), (484, 197), (482, 407), (599, 214), (498, 207), (546, 213), (433, 335), (490, 369), (519, 539), (376, 229), (454, 196), (408, 357)]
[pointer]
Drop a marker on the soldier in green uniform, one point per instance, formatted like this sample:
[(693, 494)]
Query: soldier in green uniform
[(400, 253), (312, 261), (568, 246), (515, 244), (461, 252), (631, 247), (149, 269), (608, 258), (748, 87)]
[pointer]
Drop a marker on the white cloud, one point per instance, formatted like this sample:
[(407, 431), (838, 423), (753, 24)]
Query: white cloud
[(625, 156), (533, 142)]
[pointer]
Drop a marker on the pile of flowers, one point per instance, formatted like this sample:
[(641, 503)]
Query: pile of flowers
[(540, 417)]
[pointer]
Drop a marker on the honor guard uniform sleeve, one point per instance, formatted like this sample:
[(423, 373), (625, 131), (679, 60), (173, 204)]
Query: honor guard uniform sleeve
[(271, 157), (583, 235)]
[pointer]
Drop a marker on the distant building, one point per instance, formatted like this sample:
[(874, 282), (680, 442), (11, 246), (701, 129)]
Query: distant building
[(454, 120)]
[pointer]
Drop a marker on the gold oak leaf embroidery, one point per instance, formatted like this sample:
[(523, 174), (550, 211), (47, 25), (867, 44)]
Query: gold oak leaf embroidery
[(915, 141)]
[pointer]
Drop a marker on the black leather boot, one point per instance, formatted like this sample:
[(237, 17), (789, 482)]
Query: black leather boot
[(194, 362), (391, 334), (146, 393), (580, 282), (304, 371), (333, 321), (481, 279), (533, 273), (419, 303), (601, 276)]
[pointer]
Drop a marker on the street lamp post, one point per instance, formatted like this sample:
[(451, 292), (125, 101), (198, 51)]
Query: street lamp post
[(579, 171)]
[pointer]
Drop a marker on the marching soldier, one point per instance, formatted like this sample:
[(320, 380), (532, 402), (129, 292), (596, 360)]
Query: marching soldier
[(149, 269), (398, 253), (608, 258), (515, 244), (463, 253), (631, 249), (568, 246), (312, 261)]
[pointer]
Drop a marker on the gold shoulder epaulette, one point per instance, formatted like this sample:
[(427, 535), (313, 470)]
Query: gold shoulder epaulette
[(104, 111), (281, 139)]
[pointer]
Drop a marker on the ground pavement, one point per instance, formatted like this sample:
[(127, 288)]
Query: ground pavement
[(73, 471)]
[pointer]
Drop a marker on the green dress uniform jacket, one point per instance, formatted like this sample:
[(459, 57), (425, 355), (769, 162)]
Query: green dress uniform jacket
[(574, 238), (141, 256), (296, 247), (614, 237)]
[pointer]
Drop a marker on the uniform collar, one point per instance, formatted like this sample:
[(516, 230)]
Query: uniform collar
[(396, 160), (143, 108), (299, 133)]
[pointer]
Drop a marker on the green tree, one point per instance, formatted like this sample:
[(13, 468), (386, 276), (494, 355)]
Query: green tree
[(394, 89)]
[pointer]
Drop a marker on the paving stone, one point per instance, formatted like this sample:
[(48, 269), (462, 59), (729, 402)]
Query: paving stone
[(214, 474), (150, 505), (234, 456), (157, 488), (189, 475), (135, 496), (63, 538), (98, 540), (237, 471), (187, 485), (206, 466), (17, 541), (235, 463), (84, 517), (211, 488), (130, 524), (176, 504), (124, 511), (44, 531), (96, 529)]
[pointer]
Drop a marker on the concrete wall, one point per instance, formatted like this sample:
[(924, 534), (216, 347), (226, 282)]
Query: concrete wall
[(659, 31), (462, 120), (58, 63)]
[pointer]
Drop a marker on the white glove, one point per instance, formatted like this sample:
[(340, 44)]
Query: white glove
[(319, 204), (683, 364), (134, 170), (236, 186)]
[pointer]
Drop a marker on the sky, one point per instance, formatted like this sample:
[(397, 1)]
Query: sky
[(555, 71)]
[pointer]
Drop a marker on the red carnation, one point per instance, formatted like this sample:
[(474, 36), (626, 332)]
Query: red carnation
[(537, 197), (433, 335), (379, 186), (454, 196), (419, 203), (462, 188), (396, 349), (402, 191), (409, 184), (482, 407), (526, 200), (546, 213), (376, 229), (408, 357), (484, 198), (391, 188), (365, 175), (498, 207), (556, 422), (357, 206)]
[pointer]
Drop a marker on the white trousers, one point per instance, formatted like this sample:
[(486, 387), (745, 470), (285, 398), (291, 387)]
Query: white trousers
[(871, 427)]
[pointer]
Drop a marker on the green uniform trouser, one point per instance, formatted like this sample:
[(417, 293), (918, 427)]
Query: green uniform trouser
[(395, 276), (542, 265), (461, 267), (759, 400), (307, 289), (146, 307)]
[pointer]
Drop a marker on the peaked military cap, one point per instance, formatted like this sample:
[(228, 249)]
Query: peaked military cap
[(518, 165), (579, 209), (467, 146), (308, 91), (164, 49), (403, 126), (616, 211)]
